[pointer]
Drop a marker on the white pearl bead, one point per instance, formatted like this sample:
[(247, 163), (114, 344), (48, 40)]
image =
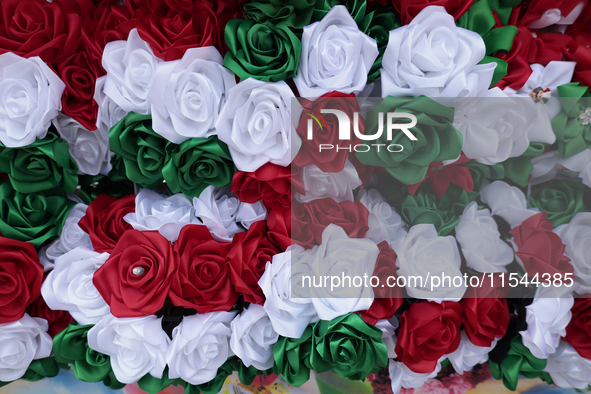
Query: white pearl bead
[(137, 271)]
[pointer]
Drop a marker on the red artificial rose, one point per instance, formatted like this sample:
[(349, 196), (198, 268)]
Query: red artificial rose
[(202, 281), (440, 177), (158, 5), (247, 258), (57, 320), (79, 74), (301, 232), (350, 216), (38, 28), (578, 331), (279, 225), (327, 132), (408, 9), (388, 298), (21, 276), (270, 183), (486, 312), (540, 250), (104, 220), (170, 35), (140, 293), (428, 330)]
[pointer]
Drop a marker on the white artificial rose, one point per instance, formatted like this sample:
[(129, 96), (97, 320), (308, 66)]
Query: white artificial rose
[(336, 55), (383, 221), (547, 317), (253, 337), (432, 56), (576, 236), (256, 124), (200, 345), (72, 236), (425, 255), (89, 149), (402, 377), (167, 215), (548, 78), (580, 163), (289, 315), (567, 368), (109, 113), (30, 98), (340, 258), (318, 184), (480, 240), (217, 209), (467, 355), (187, 95), (136, 345), (507, 202), (130, 67), (21, 342), (496, 127), (69, 286), (249, 213)]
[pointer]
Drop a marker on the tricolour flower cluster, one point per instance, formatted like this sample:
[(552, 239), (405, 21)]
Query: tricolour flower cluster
[(173, 172)]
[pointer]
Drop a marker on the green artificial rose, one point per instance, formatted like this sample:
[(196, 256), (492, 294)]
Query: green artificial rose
[(292, 358), (436, 138), (70, 346), (562, 200), (519, 361), (350, 346), (150, 384), (35, 218), (142, 151), (262, 51), (196, 164), (290, 13), (43, 165), (444, 213), (573, 133)]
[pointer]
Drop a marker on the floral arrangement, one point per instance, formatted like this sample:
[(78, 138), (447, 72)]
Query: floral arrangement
[(160, 194)]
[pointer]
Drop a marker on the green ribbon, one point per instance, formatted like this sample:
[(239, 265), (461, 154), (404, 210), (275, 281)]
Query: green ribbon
[(480, 172), (213, 386), (561, 199), (350, 346), (261, 51), (519, 361), (518, 169), (572, 135), (292, 358), (480, 19), (437, 138), (70, 346), (35, 218), (196, 164), (150, 384), (356, 8), (142, 150), (444, 213), (290, 13), (45, 164), (41, 368)]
